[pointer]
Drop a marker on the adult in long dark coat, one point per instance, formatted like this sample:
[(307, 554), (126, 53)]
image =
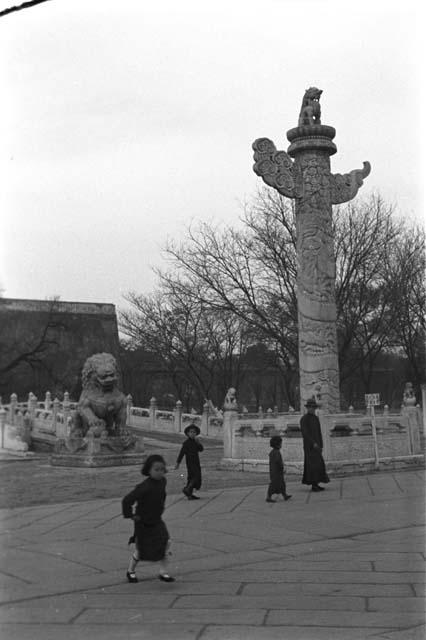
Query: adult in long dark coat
[(314, 466)]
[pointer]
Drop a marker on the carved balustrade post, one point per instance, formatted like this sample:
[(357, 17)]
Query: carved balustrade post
[(152, 413), (178, 417), (48, 401), (32, 405), (205, 419), (230, 419), (2, 426), (55, 425), (423, 387), (13, 407), (66, 411), (129, 410)]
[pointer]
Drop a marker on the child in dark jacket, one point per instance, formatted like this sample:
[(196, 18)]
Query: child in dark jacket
[(276, 470), (190, 450), (150, 532)]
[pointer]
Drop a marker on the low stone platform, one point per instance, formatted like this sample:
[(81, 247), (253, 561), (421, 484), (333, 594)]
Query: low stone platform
[(335, 469), (96, 460), (345, 564)]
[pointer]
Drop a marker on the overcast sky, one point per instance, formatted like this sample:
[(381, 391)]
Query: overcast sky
[(122, 122)]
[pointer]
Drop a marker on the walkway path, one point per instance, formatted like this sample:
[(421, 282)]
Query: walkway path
[(346, 564)]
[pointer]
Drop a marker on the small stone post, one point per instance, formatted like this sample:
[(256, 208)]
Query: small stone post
[(13, 407), (55, 408), (325, 423), (66, 411), (423, 387), (178, 417), (129, 410), (27, 428), (32, 404), (48, 401), (152, 412), (205, 419), (2, 426)]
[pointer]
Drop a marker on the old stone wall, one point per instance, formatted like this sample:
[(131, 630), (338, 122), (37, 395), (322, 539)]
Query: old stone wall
[(44, 343)]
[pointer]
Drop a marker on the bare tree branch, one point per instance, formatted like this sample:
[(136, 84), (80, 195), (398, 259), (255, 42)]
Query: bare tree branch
[(24, 5)]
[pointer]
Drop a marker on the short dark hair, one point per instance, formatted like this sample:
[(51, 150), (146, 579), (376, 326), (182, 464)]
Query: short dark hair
[(275, 442), (150, 461)]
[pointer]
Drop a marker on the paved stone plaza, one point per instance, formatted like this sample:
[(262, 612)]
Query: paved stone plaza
[(345, 564)]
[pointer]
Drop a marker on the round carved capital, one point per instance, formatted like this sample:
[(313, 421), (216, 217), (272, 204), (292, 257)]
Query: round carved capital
[(314, 137)]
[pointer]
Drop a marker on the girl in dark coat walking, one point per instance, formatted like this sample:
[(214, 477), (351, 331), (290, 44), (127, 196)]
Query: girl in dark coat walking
[(276, 470), (190, 450), (314, 466), (150, 532)]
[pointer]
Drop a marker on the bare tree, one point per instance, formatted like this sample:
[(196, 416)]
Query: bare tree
[(196, 345), (249, 274), (405, 274), (19, 7), (31, 349), (366, 233)]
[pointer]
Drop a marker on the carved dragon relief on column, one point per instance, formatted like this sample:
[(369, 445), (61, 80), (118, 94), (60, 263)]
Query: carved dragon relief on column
[(279, 171)]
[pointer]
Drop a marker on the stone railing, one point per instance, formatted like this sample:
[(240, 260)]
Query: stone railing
[(155, 419), (347, 438), (42, 422), (33, 420)]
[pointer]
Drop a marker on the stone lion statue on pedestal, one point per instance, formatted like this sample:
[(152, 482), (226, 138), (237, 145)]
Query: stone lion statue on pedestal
[(102, 408)]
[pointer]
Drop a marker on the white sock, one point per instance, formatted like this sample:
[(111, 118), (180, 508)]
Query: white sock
[(134, 559)]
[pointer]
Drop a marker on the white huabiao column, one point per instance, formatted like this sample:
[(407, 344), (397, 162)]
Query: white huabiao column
[(308, 180)]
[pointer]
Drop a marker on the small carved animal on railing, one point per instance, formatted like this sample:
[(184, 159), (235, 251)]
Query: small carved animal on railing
[(231, 400), (310, 113)]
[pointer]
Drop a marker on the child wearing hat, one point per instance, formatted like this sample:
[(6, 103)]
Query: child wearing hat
[(190, 451), (276, 470), (150, 533)]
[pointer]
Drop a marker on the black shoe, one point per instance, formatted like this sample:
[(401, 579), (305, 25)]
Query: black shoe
[(321, 488), (191, 497), (316, 488), (185, 492), (286, 497), (166, 578), (270, 500), (131, 576)]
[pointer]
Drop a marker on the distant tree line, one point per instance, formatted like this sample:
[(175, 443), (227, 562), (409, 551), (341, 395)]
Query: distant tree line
[(224, 312)]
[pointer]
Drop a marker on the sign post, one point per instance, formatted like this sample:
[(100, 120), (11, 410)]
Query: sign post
[(372, 400)]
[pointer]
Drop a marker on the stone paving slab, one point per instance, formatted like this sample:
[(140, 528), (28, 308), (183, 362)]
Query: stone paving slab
[(326, 589), (291, 633), (50, 631), (332, 566), (171, 616), (396, 604), (297, 577), (342, 619), (416, 633), (319, 603)]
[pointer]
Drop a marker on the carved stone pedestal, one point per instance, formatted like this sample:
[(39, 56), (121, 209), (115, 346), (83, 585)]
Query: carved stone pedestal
[(104, 451)]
